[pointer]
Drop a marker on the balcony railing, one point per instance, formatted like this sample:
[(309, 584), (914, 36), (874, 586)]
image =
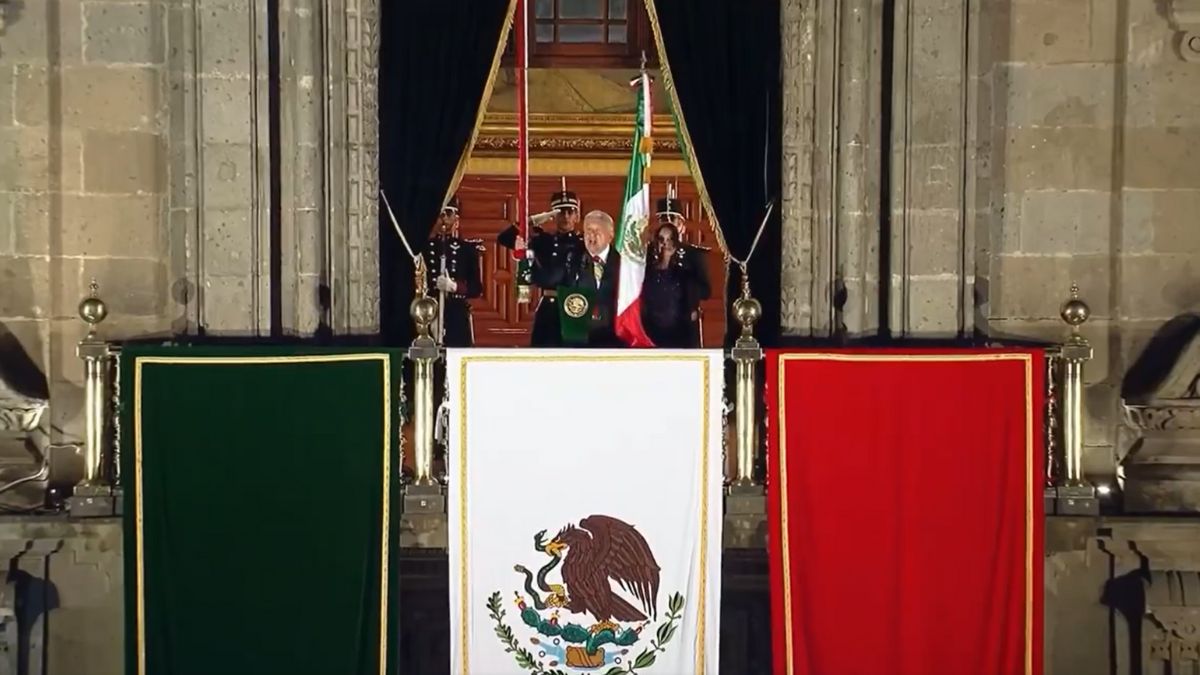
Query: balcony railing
[(1067, 491)]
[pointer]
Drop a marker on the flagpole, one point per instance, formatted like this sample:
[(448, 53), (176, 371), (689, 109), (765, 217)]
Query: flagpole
[(635, 214), (647, 129), (522, 49), (524, 292)]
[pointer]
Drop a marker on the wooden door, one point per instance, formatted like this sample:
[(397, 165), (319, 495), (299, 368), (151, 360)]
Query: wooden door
[(489, 206)]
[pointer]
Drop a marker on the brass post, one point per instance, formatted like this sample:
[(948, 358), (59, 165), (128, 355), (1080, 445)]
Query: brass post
[(94, 353), (746, 354), (423, 520), (745, 503), (423, 353), (1074, 494), (93, 494)]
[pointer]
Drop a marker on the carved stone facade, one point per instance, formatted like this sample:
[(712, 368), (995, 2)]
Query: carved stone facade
[(940, 191), (1032, 144), (61, 602), (1185, 15), (831, 62), (1162, 467), (219, 167), (805, 291), (355, 269), (833, 256), (220, 205), (1173, 617)]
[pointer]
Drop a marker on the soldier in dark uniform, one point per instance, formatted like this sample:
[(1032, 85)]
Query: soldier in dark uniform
[(452, 272), (556, 256), (689, 264)]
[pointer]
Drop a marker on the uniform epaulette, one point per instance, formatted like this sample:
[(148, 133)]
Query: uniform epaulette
[(478, 242), (706, 249)]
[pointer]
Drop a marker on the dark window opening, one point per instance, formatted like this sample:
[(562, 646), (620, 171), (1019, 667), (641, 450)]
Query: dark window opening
[(587, 34)]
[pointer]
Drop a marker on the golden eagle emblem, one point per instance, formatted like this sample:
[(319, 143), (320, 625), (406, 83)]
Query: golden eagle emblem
[(594, 559), (575, 305)]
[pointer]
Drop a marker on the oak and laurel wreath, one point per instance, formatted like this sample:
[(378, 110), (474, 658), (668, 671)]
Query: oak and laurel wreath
[(525, 659)]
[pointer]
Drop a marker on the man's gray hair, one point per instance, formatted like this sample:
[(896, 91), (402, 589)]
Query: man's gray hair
[(600, 217)]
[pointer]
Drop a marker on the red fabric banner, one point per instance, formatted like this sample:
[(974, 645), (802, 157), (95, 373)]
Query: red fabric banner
[(905, 497)]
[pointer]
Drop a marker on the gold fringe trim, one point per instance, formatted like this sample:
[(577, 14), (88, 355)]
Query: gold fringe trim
[(689, 153), (461, 169)]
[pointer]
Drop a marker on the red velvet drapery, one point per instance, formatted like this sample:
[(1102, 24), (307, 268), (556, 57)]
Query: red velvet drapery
[(906, 512)]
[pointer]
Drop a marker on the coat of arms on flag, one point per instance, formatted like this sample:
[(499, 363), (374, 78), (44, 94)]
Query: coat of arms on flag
[(588, 538), (600, 550)]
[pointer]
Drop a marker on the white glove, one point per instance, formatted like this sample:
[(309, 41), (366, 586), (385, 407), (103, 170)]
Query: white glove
[(446, 284), (543, 217)]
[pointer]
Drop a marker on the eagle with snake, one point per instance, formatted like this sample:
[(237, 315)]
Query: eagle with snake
[(600, 549)]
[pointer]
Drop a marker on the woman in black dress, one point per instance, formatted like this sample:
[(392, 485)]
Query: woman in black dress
[(668, 293)]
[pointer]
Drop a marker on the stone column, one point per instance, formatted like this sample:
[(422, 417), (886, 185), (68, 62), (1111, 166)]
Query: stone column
[(805, 296), (831, 69), (936, 160), (330, 116), (220, 165), (305, 186), (352, 72), (219, 169)]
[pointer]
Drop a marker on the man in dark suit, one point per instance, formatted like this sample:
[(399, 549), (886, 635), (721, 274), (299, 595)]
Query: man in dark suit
[(600, 270)]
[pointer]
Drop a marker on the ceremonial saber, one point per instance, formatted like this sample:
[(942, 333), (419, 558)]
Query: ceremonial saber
[(762, 226), (442, 298), (396, 225), (417, 262)]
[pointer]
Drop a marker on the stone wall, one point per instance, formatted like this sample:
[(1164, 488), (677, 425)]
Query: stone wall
[(1096, 130), (83, 114), (65, 586), (1034, 144), (135, 150)]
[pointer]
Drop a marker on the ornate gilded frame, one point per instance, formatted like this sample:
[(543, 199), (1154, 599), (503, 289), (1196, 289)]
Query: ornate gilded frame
[(580, 135)]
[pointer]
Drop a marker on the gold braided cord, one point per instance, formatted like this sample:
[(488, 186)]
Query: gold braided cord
[(483, 103), (689, 154)]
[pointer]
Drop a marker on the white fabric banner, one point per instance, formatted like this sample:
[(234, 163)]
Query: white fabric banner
[(585, 511)]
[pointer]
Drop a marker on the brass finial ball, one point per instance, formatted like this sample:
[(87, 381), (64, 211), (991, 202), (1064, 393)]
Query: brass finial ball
[(92, 309), (1075, 311), (423, 310), (747, 311)]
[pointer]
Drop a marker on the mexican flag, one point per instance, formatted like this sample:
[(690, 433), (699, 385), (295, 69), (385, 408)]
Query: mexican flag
[(635, 216)]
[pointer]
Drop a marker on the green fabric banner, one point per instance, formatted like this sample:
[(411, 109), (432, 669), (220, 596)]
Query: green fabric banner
[(259, 519), (575, 307)]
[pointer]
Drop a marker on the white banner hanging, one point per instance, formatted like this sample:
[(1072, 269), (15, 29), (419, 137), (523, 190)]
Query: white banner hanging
[(585, 511)]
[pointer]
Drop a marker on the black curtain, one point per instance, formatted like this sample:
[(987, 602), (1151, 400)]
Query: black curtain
[(435, 59), (724, 60)]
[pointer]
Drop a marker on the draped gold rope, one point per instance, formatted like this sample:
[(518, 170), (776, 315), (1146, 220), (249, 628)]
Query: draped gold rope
[(689, 154), (483, 103)]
